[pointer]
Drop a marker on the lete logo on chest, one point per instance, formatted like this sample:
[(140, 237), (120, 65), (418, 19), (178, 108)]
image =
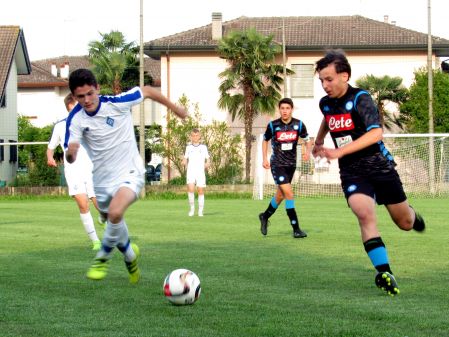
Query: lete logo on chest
[(340, 122), (286, 136)]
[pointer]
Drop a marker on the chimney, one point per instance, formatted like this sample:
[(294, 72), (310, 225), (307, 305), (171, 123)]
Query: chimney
[(54, 70), (385, 18), (217, 26), (393, 23), (64, 71)]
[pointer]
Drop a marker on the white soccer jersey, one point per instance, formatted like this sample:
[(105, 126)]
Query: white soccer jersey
[(108, 136), (196, 156), (82, 166)]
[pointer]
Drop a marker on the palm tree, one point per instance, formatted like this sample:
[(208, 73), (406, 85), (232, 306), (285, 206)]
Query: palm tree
[(111, 58), (251, 84), (383, 90)]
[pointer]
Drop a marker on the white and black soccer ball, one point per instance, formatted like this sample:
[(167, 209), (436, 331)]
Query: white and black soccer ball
[(182, 287)]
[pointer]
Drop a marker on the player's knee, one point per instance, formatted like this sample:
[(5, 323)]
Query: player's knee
[(115, 216)]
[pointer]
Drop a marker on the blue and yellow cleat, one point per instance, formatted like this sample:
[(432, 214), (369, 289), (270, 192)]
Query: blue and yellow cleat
[(387, 282), (133, 268)]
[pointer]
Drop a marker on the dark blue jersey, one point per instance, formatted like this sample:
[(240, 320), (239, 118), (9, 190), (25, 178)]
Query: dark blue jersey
[(350, 117), (284, 139)]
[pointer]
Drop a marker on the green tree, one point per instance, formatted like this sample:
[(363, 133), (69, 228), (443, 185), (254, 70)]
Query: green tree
[(385, 89), (224, 148), (115, 63), (251, 83), (416, 108), (34, 157)]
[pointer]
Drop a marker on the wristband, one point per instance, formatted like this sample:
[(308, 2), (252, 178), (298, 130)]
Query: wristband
[(317, 143)]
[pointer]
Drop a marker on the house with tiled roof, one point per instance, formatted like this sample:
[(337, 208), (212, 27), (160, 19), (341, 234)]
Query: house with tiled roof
[(190, 64), (14, 61), (372, 47), (41, 93)]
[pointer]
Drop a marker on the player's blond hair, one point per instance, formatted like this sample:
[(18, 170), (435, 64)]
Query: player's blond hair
[(69, 99)]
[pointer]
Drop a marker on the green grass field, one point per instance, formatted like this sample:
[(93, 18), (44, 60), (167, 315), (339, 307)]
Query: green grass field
[(251, 286)]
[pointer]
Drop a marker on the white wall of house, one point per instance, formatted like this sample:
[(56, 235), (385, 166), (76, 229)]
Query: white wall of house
[(8, 125), (196, 76), (44, 106)]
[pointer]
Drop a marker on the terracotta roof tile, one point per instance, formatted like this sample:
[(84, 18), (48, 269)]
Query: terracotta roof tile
[(305, 33), (41, 71)]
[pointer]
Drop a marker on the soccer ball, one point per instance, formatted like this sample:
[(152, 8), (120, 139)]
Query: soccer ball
[(182, 287)]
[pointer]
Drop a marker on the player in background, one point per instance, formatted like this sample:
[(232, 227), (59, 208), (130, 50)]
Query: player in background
[(78, 175), (196, 158), (104, 125), (284, 134), (367, 170)]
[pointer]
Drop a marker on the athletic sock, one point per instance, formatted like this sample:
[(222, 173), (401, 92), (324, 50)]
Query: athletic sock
[(200, 203), (272, 207), (291, 212), (88, 223), (191, 200), (375, 248), (110, 239)]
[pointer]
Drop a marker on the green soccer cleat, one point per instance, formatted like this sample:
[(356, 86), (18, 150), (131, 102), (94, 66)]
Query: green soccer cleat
[(96, 245), (387, 282), (133, 268), (98, 270)]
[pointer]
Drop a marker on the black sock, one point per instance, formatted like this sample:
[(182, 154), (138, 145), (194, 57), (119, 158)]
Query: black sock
[(419, 224), (269, 211), (293, 218)]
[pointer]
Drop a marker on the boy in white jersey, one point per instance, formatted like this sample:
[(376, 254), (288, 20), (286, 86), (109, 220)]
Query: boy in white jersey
[(104, 125), (196, 158), (78, 175)]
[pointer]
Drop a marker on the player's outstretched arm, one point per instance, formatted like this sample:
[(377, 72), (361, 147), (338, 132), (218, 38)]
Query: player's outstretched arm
[(72, 151), (50, 160), (150, 92)]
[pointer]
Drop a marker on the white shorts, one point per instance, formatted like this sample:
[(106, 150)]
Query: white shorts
[(198, 178), (80, 185), (134, 181)]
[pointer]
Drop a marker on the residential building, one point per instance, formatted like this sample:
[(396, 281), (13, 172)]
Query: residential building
[(190, 64), (14, 61), (41, 94)]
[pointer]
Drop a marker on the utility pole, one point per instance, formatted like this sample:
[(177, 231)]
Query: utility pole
[(430, 92), (284, 58), (142, 104)]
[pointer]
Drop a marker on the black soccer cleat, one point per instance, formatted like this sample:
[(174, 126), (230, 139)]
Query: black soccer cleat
[(386, 281), (299, 234), (419, 225), (263, 224)]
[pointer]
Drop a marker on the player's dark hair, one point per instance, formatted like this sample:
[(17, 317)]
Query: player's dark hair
[(81, 77), (285, 100), (336, 57), (195, 130)]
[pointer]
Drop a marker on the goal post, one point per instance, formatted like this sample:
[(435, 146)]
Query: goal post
[(412, 153)]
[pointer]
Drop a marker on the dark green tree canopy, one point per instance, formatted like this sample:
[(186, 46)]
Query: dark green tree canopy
[(416, 108)]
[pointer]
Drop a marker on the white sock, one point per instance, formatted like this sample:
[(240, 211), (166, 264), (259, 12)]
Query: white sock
[(191, 200), (110, 240), (200, 203), (123, 240), (88, 223)]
